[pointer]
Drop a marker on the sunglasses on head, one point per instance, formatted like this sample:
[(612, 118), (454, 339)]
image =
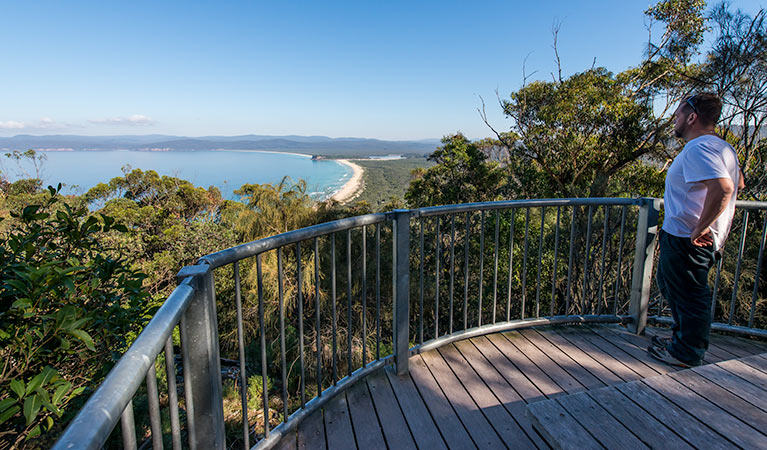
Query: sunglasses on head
[(692, 105)]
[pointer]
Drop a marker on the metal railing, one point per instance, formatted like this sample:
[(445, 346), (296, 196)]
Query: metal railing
[(414, 280)]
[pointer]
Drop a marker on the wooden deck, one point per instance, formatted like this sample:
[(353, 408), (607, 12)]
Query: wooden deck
[(474, 393), (720, 406)]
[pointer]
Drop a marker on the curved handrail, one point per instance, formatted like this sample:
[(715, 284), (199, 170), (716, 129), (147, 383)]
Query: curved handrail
[(230, 255), (506, 204)]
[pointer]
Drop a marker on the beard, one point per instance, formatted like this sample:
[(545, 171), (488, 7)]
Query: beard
[(679, 130)]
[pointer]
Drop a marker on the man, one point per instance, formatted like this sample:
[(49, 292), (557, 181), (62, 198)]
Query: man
[(699, 200)]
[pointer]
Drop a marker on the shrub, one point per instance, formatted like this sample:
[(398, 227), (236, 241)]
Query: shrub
[(68, 307)]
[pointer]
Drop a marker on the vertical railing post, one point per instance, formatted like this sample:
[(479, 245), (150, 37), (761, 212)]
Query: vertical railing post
[(202, 364), (401, 289), (641, 280)]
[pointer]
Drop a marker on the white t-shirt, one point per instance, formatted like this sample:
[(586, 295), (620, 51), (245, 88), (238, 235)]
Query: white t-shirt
[(704, 158)]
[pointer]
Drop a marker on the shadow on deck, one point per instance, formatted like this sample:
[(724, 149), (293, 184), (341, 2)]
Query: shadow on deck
[(474, 393)]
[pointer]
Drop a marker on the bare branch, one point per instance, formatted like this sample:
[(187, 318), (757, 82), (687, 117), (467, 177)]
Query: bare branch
[(555, 34)]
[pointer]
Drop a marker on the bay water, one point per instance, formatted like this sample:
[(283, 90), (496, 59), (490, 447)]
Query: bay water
[(79, 171)]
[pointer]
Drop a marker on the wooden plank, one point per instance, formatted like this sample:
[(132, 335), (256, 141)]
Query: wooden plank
[(311, 432), (338, 426), (288, 442), (741, 347), (608, 431), (655, 434), (723, 398), (367, 430), (563, 360), (516, 378), (635, 346), (748, 373), (581, 357), (390, 416), (613, 364), (757, 362), (566, 382), (675, 418), (504, 424), (417, 415), (631, 353), (445, 417), (558, 427), (509, 398), (733, 383), (707, 412), (476, 424)]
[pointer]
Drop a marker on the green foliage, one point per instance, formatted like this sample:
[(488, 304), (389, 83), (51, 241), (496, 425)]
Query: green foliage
[(574, 136), (684, 28), (736, 69), (256, 391), (171, 223), (273, 208), (462, 174), (67, 304), (386, 181)]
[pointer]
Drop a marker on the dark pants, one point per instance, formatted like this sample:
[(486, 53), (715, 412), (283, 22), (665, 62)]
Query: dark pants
[(682, 278)]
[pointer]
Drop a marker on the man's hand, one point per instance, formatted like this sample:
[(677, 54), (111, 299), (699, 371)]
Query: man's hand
[(702, 238)]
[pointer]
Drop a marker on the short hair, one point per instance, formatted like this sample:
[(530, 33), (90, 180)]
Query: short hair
[(706, 105)]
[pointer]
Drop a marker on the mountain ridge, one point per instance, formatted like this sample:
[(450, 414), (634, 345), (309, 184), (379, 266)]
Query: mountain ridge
[(319, 145)]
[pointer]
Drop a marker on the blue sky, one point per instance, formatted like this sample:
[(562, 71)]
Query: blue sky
[(388, 70)]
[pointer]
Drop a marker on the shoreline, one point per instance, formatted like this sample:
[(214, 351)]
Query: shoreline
[(352, 187)]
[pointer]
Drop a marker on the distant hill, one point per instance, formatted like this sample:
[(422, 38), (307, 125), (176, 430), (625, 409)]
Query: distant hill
[(318, 145)]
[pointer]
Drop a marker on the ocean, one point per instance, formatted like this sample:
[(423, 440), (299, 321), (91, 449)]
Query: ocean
[(226, 169)]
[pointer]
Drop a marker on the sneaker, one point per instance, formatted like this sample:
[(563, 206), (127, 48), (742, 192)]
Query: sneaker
[(662, 342), (662, 354)]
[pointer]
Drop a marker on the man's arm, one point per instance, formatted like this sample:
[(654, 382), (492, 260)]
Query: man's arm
[(718, 194)]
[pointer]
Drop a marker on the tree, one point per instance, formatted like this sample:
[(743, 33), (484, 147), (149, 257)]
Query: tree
[(571, 138), (171, 222), (736, 69), (462, 174)]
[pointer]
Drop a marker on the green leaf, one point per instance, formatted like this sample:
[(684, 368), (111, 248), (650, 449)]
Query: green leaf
[(35, 432), (32, 406), (41, 379), (78, 391), (17, 284), (7, 403), (22, 303), (50, 407), (85, 337), (49, 422), (29, 210), (36, 382), (8, 413), (17, 386), (69, 284), (61, 391)]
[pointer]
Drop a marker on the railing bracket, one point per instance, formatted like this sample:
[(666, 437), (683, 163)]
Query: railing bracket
[(192, 271)]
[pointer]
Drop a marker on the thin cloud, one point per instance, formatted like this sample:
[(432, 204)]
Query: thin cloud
[(12, 125), (46, 123), (136, 120)]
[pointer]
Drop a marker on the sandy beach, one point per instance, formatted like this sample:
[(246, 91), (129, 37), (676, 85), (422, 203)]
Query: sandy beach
[(349, 190)]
